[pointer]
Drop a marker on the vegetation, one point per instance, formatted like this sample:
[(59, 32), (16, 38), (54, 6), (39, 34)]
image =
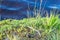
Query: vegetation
[(38, 28)]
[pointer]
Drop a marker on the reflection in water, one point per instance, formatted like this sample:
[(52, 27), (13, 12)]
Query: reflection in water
[(19, 7), (8, 8)]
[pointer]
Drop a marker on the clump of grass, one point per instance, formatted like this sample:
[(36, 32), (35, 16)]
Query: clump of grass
[(44, 28)]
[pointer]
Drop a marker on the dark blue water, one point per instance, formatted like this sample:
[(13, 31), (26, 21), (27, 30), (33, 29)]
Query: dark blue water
[(17, 9)]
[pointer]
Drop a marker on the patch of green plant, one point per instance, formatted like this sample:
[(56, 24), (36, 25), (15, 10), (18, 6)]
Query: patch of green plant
[(44, 28)]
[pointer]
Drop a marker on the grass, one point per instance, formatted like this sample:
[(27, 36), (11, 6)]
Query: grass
[(38, 28)]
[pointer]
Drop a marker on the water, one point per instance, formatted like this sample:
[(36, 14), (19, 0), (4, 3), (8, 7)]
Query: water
[(20, 7)]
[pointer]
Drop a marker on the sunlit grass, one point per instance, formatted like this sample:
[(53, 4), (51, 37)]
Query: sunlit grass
[(44, 28)]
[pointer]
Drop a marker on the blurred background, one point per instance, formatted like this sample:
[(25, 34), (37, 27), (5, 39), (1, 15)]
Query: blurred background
[(19, 9)]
